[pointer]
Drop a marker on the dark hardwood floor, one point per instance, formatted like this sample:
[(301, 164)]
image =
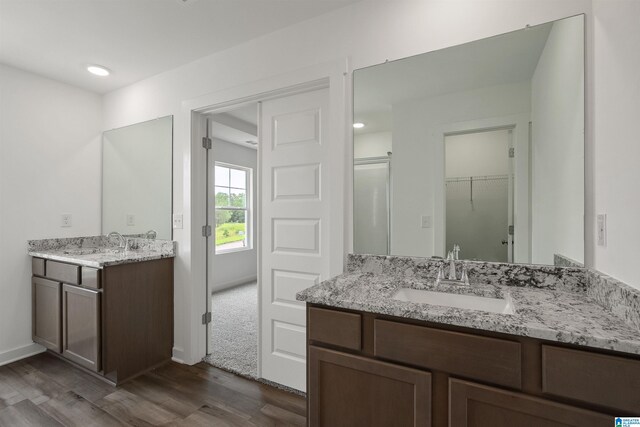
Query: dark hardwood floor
[(45, 391)]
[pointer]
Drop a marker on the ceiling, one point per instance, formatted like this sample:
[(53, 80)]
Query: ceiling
[(237, 126), (504, 59), (135, 38)]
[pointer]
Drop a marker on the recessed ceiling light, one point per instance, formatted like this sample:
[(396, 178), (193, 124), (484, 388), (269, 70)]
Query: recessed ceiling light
[(358, 125), (98, 70)]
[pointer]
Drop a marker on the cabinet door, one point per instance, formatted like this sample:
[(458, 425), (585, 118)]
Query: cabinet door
[(347, 390), (45, 297), (474, 405), (81, 326)]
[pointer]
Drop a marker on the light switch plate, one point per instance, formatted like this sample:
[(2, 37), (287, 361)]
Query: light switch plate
[(602, 229), (177, 221), (65, 220), (426, 221), (131, 219)]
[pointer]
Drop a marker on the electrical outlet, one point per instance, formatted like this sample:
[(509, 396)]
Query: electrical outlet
[(177, 221), (426, 221), (131, 220), (602, 229), (65, 220)]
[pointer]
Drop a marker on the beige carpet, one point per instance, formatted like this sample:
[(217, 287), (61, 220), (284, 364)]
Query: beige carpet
[(234, 330)]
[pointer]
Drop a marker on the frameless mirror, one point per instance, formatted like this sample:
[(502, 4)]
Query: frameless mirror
[(479, 145), (137, 179)]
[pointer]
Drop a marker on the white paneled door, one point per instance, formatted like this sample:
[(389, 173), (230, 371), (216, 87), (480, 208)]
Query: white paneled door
[(295, 226)]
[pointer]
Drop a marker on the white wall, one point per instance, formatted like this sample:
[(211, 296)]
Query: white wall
[(49, 165), (368, 33), (418, 159), (617, 148), (372, 144), (136, 178), (557, 98), (234, 268), (477, 154)]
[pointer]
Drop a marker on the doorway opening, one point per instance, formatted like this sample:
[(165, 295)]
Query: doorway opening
[(291, 213), (479, 194), (232, 250)]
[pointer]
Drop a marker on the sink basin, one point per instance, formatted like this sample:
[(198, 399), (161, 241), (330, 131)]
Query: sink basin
[(469, 302)]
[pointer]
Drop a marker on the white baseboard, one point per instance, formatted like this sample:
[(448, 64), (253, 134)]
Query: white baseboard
[(18, 353), (177, 355), (219, 286)]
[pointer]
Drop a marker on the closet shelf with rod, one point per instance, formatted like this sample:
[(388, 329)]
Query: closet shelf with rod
[(472, 179)]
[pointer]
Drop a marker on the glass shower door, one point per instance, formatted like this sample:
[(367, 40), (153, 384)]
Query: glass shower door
[(371, 210)]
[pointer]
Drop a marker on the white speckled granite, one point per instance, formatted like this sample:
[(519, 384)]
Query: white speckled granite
[(496, 273), (551, 303), (615, 296), (100, 251), (565, 261)]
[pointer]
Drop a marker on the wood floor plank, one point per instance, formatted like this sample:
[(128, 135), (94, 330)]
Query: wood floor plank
[(278, 397), (72, 410), (212, 416), (135, 410), (284, 416), (26, 414), (58, 370), (219, 396), (9, 395), (44, 390), (32, 385), (93, 389), (154, 390), (39, 386)]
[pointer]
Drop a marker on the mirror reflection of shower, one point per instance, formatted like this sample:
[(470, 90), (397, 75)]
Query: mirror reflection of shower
[(372, 204)]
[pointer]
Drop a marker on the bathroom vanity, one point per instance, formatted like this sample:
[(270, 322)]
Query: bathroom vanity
[(104, 309), (560, 359)]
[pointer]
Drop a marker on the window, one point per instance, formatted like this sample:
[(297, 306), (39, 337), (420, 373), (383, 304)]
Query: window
[(232, 206)]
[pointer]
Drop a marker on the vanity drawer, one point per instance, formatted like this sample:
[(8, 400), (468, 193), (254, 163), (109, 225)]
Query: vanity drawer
[(595, 378), (487, 359), (37, 266), (90, 278), (335, 327), (61, 272)]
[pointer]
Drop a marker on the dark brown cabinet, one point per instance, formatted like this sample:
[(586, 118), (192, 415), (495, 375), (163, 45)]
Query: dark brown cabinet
[(591, 378), (116, 322), (352, 391), (474, 405), (367, 369), (81, 326), (46, 325)]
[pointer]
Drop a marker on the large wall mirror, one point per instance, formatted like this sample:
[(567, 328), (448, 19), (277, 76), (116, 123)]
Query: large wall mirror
[(137, 179), (479, 145)]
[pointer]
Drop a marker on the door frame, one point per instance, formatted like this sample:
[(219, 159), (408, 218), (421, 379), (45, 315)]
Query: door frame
[(519, 123), (336, 76), (510, 181)]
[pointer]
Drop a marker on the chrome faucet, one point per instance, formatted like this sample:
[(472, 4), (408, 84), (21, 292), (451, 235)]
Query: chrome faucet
[(452, 266), (151, 234), (452, 256), (122, 242)]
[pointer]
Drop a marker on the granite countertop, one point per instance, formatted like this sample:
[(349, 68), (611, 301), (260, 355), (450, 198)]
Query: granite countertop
[(553, 312), (100, 251)]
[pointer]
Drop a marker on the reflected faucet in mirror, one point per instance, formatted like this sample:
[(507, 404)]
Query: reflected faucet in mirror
[(151, 234), (122, 242)]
